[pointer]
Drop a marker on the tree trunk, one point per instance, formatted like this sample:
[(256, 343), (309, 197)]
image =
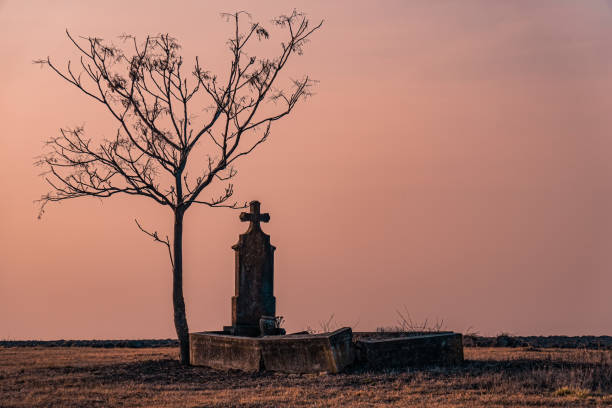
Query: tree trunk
[(180, 320)]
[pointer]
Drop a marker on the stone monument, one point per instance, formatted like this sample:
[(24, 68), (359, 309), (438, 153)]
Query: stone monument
[(254, 278), (255, 342)]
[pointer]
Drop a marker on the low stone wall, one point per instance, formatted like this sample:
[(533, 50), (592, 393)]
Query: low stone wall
[(223, 351), (309, 353), (304, 353), (375, 351), (327, 352)]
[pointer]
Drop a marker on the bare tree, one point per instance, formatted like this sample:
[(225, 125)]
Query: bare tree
[(164, 149)]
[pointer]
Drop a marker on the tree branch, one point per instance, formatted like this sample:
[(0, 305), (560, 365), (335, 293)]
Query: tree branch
[(156, 238)]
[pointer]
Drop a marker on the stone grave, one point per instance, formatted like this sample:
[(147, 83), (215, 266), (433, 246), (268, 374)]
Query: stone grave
[(254, 297), (255, 341)]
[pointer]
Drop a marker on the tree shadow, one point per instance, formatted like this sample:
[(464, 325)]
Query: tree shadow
[(165, 372)]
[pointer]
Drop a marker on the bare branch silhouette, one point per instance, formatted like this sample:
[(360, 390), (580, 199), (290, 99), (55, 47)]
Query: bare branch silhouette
[(156, 237), (161, 149)]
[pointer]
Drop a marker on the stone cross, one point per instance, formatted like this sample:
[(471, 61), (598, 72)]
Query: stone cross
[(254, 290), (254, 216)]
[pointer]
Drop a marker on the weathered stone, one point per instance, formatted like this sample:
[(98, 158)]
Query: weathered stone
[(254, 290), (309, 353), (223, 351), (444, 348)]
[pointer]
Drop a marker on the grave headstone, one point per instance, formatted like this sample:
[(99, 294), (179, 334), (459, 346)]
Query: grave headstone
[(254, 290)]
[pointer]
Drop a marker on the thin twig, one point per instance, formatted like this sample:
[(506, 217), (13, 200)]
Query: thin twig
[(156, 238)]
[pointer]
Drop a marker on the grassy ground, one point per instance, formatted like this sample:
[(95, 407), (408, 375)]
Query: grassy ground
[(491, 377)]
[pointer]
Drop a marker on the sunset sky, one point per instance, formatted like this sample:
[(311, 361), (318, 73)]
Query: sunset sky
[(455, 162)]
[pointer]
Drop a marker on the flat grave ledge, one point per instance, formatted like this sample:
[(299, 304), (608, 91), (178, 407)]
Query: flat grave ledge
[(256, 342)]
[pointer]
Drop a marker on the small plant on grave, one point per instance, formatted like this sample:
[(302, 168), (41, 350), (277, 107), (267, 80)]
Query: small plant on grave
[(329, 325), (325, 326), (405, 324)]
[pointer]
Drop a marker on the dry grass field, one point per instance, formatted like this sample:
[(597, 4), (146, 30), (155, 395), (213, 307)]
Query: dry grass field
[(491, 377)]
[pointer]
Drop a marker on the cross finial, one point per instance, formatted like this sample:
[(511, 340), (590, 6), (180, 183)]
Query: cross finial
[(254, 216)]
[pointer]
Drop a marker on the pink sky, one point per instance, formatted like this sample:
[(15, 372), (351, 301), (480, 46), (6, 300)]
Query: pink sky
[(455, 161)]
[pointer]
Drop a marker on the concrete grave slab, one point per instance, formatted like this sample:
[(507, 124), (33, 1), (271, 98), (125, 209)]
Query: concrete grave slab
[(224, 351), (396, 351), (303, 353), (309, 353)]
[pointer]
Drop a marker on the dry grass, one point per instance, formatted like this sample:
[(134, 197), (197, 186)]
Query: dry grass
[(492, 377)]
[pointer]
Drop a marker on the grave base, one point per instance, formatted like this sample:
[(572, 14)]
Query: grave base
[(327, 352), (398, 350), (303, 353)]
